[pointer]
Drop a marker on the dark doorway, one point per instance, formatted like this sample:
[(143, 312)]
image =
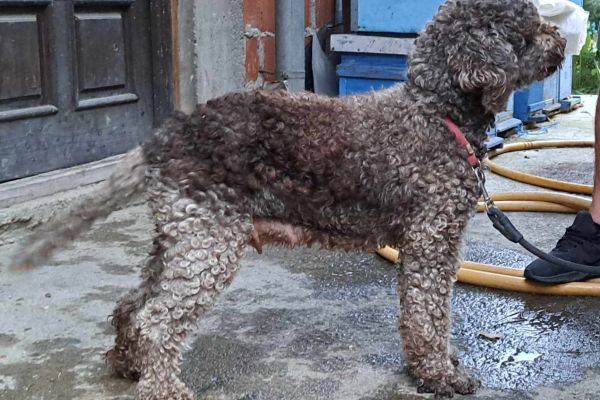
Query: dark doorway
[(78, 80)]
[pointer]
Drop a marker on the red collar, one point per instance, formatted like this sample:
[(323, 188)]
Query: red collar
[(461, 138)]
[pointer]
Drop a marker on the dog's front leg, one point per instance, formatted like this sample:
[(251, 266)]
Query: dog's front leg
[(429, 261)]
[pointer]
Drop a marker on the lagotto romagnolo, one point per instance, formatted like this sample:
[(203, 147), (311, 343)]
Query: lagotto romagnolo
[(352, 173)]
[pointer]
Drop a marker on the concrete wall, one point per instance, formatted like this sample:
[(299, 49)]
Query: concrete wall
[(229, 45), (211, 50), (219, 47)]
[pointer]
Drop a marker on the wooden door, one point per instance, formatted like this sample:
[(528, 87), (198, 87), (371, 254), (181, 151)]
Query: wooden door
[(76, 82)]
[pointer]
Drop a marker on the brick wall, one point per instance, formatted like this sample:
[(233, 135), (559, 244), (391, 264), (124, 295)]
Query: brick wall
[(259, 20)]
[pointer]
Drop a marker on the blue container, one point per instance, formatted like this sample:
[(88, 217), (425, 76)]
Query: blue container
[(544, 96), (361, 73), (528, 101), (393, 16), (565, 82)]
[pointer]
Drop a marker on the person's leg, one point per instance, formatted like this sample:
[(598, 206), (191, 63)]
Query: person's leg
[(581, 241), (595, 208)]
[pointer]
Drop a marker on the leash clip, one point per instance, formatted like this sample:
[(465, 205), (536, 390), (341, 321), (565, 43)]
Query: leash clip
[(499, 220), (487, 199)]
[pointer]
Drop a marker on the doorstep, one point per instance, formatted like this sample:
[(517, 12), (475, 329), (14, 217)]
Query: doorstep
[(49, 183)]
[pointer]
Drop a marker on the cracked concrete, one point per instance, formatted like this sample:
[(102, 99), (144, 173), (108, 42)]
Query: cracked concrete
[(298, 324)]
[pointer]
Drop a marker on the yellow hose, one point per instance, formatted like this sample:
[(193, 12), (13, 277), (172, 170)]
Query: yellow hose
[(528, 206), (538, 201), (506, 279), (510, 278), (538, 180)]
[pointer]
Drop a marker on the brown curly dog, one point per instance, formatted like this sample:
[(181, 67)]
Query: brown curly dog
[(347, 173)]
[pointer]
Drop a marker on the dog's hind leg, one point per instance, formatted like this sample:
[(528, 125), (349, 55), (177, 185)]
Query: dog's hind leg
[(202, 244), (122, 357), (430, 258)]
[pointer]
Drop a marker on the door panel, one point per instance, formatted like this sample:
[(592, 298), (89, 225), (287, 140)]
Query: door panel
[(75, 82), (25, 89), (21, 76), (100, 50), (103, 63)]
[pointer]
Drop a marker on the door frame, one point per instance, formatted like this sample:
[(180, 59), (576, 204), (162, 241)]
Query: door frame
[(165, 65)]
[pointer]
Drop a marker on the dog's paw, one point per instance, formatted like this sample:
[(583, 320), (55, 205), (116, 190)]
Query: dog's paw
[(460, 382), (463, 383), (121, 365), (441, 390), (163, 391)]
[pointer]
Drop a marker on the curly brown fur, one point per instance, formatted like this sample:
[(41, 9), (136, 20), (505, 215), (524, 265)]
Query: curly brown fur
[(351, 173)]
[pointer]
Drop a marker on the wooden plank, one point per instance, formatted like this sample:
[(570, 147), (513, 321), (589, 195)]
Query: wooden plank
[(371, 44)]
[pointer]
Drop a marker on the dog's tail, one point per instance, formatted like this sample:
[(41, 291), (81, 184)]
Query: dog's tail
[(117, 190)]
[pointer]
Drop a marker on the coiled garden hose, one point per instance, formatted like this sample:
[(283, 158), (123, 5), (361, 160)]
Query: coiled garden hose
[(534, 179), (510, 278)]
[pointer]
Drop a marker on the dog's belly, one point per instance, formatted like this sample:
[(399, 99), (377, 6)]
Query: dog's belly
[(269, 231)]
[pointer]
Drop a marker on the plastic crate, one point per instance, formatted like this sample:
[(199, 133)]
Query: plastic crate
[(392, 16), (361, 73), (536, 101)]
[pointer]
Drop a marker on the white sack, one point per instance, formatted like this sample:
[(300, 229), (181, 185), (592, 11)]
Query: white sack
[(570, 18)]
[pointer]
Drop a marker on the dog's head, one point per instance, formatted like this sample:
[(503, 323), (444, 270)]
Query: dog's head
[(487, 47)]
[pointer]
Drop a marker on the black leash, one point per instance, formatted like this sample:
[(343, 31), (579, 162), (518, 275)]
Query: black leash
[(509, 231), (498, 218)]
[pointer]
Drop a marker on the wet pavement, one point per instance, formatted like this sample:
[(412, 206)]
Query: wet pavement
[(300, 324)]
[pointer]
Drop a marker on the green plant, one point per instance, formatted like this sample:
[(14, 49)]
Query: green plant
[(593, 6), (586, 73)]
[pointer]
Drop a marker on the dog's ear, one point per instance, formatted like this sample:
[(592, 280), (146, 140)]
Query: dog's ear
[(481, 61)]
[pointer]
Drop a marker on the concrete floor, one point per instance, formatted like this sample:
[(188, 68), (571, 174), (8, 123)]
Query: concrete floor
[(299, 324)]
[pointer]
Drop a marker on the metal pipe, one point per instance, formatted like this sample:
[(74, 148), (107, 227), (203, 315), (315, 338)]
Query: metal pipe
[(339, 12), (289, 38)]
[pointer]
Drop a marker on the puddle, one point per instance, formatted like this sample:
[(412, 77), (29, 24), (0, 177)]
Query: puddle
[(546, 341), (518, 356)]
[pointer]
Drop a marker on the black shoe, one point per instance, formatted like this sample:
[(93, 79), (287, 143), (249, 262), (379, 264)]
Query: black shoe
[(580, 244)]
